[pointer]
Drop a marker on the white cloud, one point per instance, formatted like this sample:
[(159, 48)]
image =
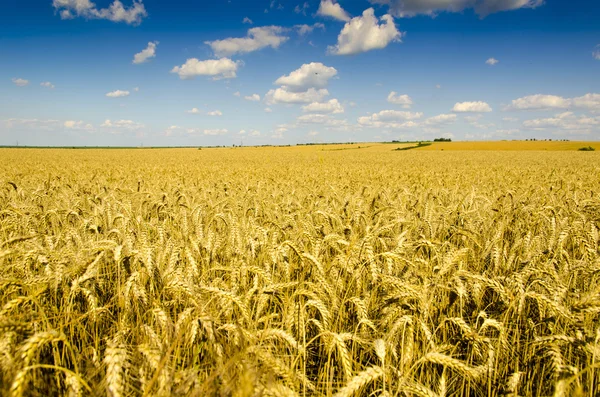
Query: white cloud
[(256, 39), (314, 119), (313, 133), (120, 126), (566, 122), (268, 110), (410, 8), (306, 29), (172, 130), (253, 98), (78, 125), (116, 12), (510, 119), (309, 75), (587, 101), (327, 8), (301, 9), (282, 95), (438, 86), (471, 107), (548, 102), (391, 119), (277, 134), (215, 113), (146, 53), (221, 131), (403, 100), (237, 94), (441, 119), (242, 132), (117, 94), (47, 84), (254, 133), (596, 53), (303, 85), (474, 118), (539, 101), (393, 115), (223, 68), (365, 33), (492, 61), (136, 89), (20, 82), (325, 119), (35, 124), (194, 111), (332, 106), (247, 20)]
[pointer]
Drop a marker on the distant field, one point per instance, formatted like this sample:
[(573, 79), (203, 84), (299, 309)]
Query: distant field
[(332, 270), (378, 146), (511, 145)]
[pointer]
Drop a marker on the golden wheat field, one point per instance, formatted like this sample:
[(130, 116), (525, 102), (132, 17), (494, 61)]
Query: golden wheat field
[(301, 271)]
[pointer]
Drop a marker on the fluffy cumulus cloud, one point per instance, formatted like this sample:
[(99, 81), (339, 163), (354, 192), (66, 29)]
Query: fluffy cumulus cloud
[(566, 123), (78, 126), (309, 75), (117, 94), (121, 126), (332, 106), (441, 119), (590, 101), (282, 95), (256, 39), (252, 98), (539, 102), (215, 113), (328, 8), (403, 100), (330, 123), (194, 111), (47, 84), (20, 82), (303, 85), (394, 119), (116, 12), (146, 53), (587, 101), (472, 107), (596, 52), (223, 68), (492, 61), (365, 33), (410, 8)]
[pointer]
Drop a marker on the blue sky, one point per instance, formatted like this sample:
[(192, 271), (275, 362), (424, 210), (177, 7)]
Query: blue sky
[(109, 72)]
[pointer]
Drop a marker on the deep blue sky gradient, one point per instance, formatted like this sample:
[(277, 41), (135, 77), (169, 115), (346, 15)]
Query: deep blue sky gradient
[(546, 50)]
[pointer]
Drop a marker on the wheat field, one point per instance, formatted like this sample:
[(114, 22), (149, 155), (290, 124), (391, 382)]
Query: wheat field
[(299, 271)]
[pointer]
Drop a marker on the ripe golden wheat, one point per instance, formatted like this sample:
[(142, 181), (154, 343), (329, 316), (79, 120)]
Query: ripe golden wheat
[(299, 272)]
